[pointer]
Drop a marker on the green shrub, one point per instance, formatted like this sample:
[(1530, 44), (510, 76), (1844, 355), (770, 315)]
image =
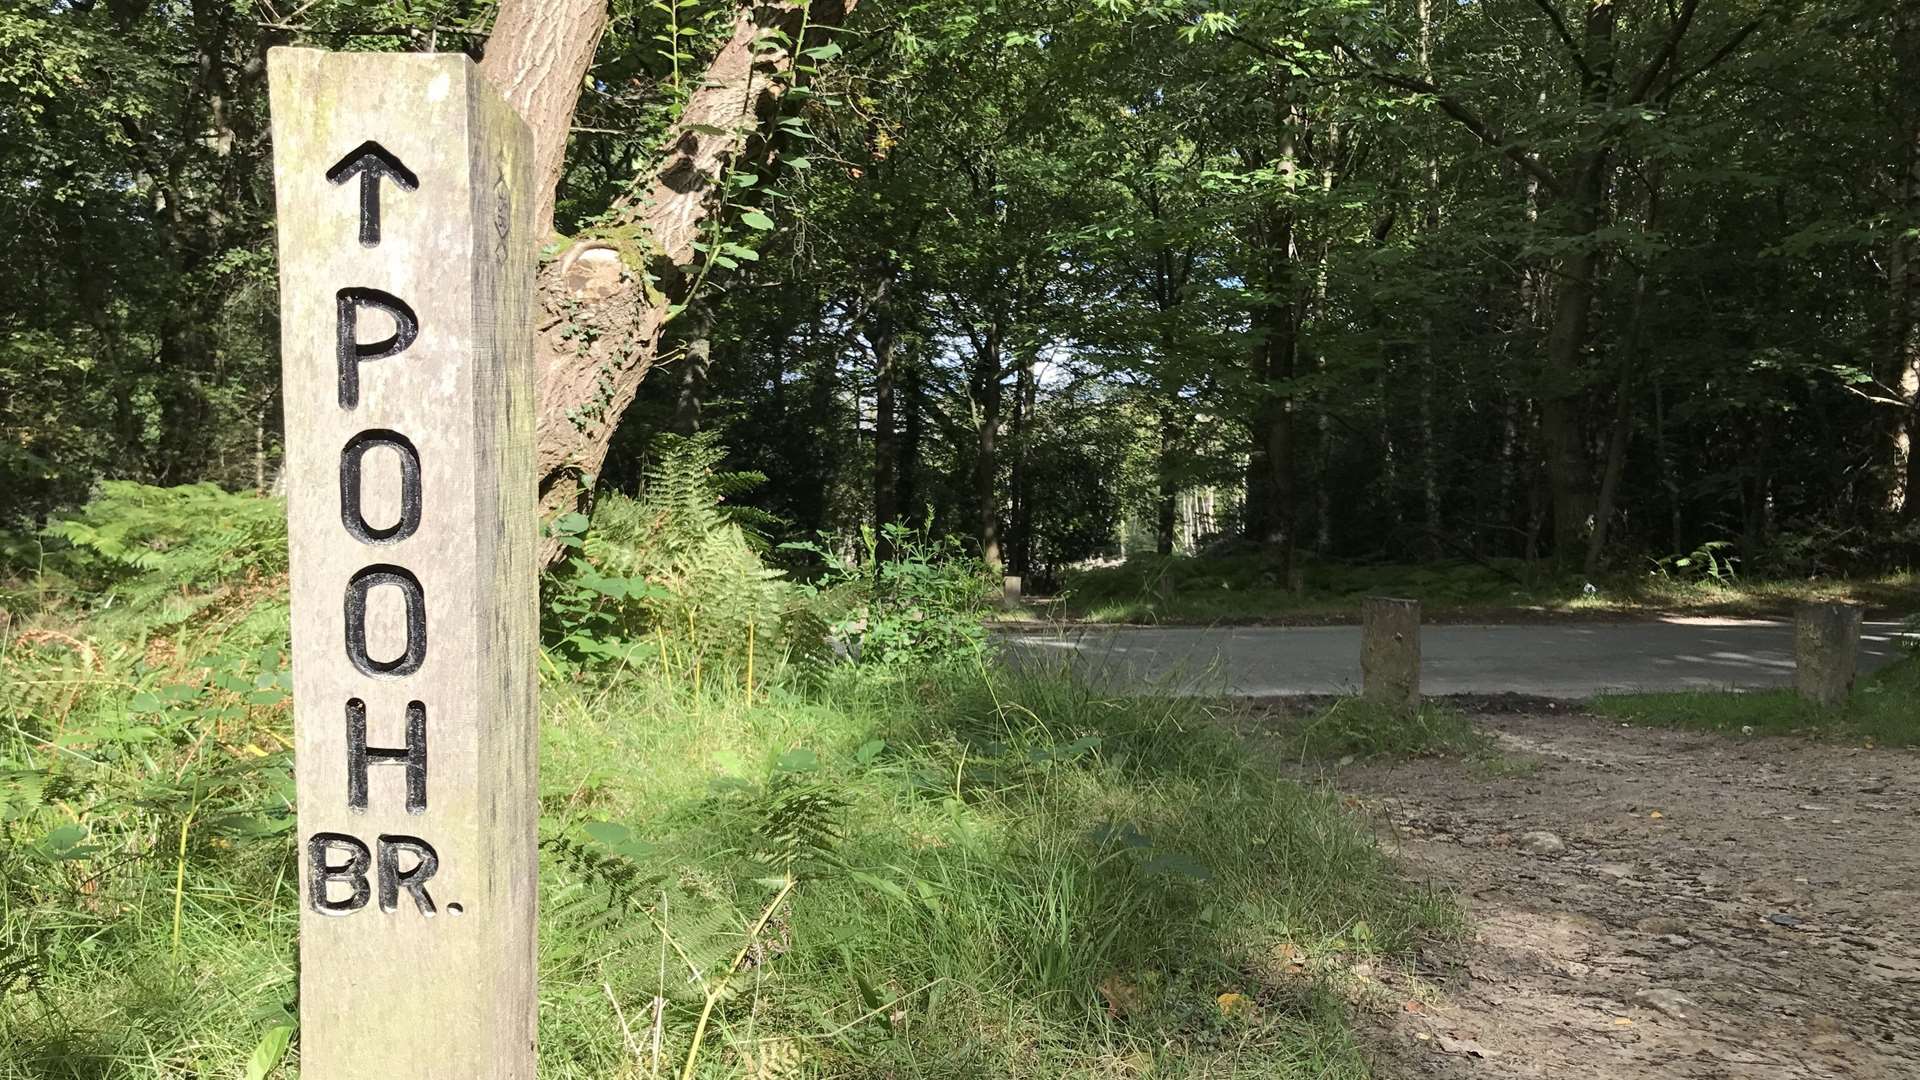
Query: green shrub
[(910, 599)]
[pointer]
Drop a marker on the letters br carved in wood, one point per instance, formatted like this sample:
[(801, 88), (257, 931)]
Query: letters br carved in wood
[(406, 266)]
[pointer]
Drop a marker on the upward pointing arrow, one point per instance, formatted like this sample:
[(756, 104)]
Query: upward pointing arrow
[(370, 161)]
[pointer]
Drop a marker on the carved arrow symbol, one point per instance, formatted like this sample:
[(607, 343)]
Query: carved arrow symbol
[(370, 161)]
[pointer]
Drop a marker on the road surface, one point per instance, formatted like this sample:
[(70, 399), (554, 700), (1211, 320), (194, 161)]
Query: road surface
[(1557, 660)]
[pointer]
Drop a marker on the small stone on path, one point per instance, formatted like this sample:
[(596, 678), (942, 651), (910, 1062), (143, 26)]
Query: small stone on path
[(1672, 1002), (1541, 842)]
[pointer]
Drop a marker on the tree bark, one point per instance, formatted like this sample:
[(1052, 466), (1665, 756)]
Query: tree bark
[(1271, 466), (1429, 364), (1903, 272), (1622, 429), (988, 392), (882, 338), (1169, 484), (537, 57), (696, 358), (598, 330), (1021, 521), (912, 431)]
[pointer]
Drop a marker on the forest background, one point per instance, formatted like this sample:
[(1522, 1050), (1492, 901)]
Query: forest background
[(1619, 285)]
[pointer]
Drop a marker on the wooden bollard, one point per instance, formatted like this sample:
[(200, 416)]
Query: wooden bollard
[(1826, 652), (1390, 653), (1010, 593), (406, 258)]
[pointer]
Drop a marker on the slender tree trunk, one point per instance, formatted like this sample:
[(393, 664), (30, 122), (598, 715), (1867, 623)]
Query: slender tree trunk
[(1271, 474), (695, 328), (1429, 365), (1622, 429), (1563, 395), (1021, 521), (988, 392), (912, 428), (1669, 479), (886, 442), (1903, 272), (1169, 483)]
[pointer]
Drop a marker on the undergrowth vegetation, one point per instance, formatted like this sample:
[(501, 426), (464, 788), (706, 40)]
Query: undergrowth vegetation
[(1249, 588), (788, 829)]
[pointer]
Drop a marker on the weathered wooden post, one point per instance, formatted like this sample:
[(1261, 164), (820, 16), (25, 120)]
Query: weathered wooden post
[(405, 277), (1826, 651), (1390, 653), (1010, 592)]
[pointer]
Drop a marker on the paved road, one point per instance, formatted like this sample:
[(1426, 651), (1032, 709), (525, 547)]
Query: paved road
[(1561, 660)]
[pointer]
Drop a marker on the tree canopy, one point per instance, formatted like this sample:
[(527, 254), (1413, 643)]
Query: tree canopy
[(1589, 280)]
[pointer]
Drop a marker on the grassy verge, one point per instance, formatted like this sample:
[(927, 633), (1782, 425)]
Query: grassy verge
[(1884, 710), (1247, 589), (960, 873), (1353, 728)]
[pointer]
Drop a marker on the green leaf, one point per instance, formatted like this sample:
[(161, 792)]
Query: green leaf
[(756, 219), (797, 760), (610, 833), (269, 1050)]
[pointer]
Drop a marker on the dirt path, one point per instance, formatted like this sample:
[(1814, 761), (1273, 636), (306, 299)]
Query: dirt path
[(1747, 909)]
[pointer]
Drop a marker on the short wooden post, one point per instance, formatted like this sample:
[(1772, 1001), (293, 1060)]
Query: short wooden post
[(1010, 594), (1390, 653), (1826, 651), (404, 199)]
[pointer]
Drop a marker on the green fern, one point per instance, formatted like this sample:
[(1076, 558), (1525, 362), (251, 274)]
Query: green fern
[(166, 554), (676, 574)]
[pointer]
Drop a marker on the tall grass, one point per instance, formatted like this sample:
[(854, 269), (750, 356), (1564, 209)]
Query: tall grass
[(920, 866), (1013, 877), (1030, 880)]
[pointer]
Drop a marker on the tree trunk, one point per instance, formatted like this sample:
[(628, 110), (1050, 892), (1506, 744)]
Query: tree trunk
[(1669, 478), (1622, 429), (1563, 393), (988, 393), (1903, 272), (1271, 465), (1271, 469), (912, 427), (696, 357), (886, 443), (1429, 365), (1169, 491), (538, 57)]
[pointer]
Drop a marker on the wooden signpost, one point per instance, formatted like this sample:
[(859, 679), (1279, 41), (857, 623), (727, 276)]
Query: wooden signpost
[(404, 209)]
